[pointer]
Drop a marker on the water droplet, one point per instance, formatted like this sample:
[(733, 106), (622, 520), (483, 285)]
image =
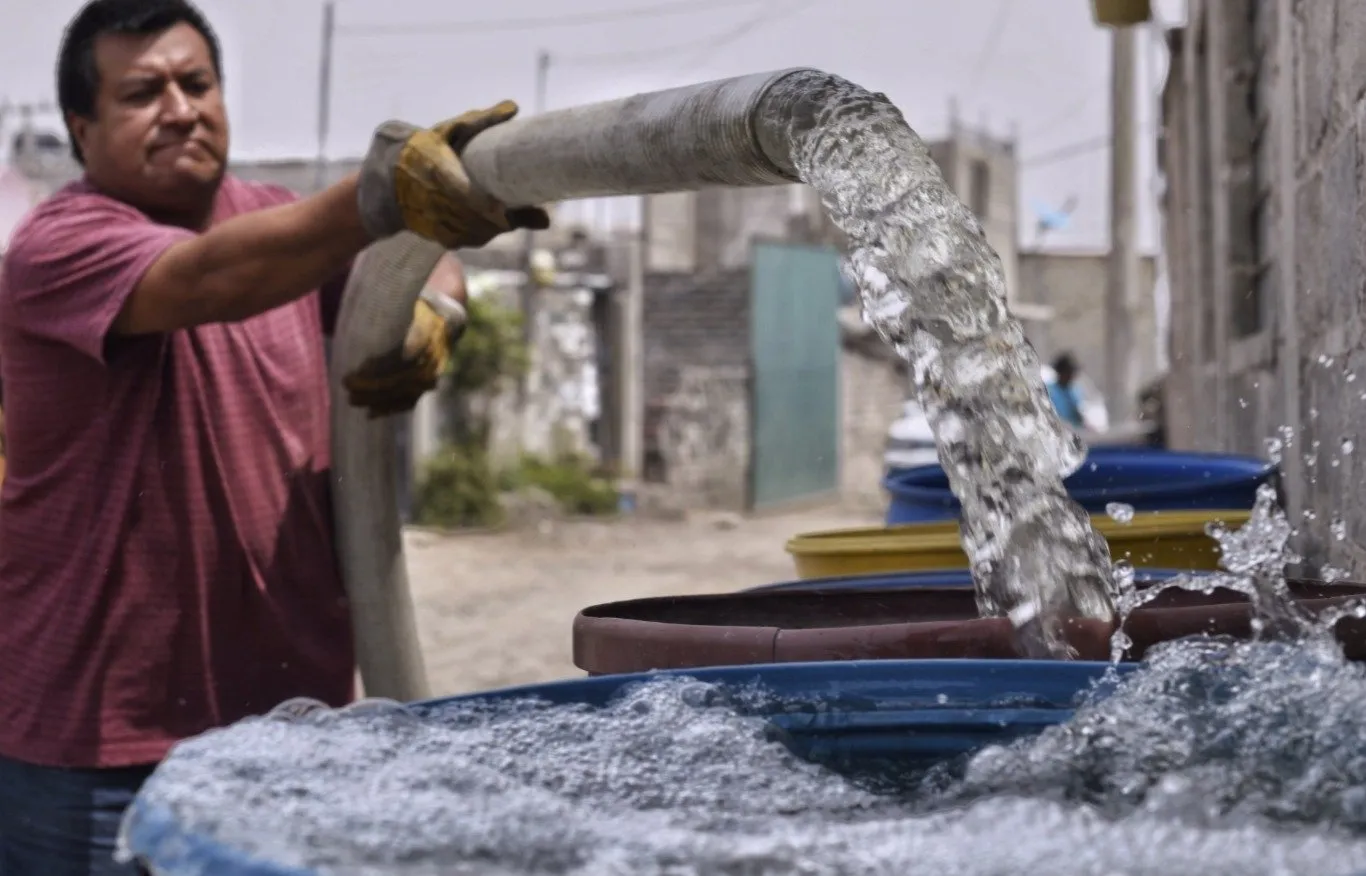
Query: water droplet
[(1242, 403), (1351, 377), (1338, 528), (1348, 445), (1120, 512), (1333, 573), (1274, 449)]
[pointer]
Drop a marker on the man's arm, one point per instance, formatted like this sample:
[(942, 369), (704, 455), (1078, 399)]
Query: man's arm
[(248, 265)]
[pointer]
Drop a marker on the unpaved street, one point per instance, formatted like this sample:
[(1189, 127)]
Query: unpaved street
[(496, 609)]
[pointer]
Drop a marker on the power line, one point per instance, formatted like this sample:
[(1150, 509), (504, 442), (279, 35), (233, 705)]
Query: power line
[(1078, 148), (1070, 112), (765, 16), (1071, 150), (708, 45), (989, 44), (578, 19)]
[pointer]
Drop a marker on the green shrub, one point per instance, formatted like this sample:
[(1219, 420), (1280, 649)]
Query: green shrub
[(571, 479), (458, 489), (490, 349)]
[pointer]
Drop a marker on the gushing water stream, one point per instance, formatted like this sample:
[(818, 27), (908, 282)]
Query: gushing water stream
[(934, 288)]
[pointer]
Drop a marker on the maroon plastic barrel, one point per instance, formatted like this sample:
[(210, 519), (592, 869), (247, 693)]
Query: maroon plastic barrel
[(752, 627)]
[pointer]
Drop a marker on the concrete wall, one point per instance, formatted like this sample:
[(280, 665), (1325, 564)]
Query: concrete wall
[(1265, 130), (1074, 284), (696, 350), (872, 390)]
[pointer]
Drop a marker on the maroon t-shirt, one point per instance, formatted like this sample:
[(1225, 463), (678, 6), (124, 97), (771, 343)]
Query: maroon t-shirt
[(166, 549)]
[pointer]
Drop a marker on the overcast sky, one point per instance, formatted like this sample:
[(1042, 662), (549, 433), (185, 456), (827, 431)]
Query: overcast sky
[(1040, 67)]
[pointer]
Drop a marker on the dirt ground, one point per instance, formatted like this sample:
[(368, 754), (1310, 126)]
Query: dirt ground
[(496, 609)]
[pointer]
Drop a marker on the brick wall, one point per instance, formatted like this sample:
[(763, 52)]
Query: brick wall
[(696, 351), (693, 320), (1266, 131)]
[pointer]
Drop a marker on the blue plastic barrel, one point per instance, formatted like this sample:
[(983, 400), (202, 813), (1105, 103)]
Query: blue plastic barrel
[(1147, 479), (849, 715), (938, 578)]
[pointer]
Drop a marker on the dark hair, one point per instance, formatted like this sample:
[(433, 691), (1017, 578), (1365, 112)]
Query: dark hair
[(1065, 364), (78, 77)]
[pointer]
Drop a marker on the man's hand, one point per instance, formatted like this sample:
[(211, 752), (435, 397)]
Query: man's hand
[(393, 383), (413, 179)]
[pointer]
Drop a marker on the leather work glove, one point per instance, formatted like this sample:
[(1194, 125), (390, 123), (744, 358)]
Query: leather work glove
[(393, 383), (412, 179)]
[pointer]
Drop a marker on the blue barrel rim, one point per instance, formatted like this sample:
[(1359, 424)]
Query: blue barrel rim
[(931, 578), (1253, 470), (946, 669)]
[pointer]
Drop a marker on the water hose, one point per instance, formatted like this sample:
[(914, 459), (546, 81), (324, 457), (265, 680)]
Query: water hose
[(376, 310), (676, 140), (722, 133)]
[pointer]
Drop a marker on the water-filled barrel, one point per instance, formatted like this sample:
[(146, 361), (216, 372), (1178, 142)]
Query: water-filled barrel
[(925, 623), (1160, 539), (1146, 479), (903, 580), (851, 717)]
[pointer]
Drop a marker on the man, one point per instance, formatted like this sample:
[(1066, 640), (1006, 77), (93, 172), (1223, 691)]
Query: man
[(166, 554), (1062, 391)]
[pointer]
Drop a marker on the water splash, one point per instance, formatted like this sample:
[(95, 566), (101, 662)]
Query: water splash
[(1190, 766), (1252, 561), (1120, 512), (933, 288)]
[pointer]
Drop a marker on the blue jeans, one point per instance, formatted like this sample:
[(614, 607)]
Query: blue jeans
[(63, 822)]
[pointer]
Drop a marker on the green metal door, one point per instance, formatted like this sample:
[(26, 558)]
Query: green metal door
[(794, 387)]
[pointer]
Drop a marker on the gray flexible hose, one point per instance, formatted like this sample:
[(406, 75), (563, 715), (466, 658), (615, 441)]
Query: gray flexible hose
[(667, 141), (377, 308)]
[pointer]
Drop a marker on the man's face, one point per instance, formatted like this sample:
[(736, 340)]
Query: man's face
[(159, 136)]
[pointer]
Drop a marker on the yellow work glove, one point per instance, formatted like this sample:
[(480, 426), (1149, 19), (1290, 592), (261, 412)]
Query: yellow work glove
[(412, 179), (392, 384)]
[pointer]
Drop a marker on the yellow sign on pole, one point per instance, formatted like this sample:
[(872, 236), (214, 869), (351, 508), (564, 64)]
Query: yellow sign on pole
[(1121, 13)]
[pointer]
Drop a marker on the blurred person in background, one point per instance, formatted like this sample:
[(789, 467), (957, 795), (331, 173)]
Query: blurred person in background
[(167, 561), (1076, 398), (1063, 390)]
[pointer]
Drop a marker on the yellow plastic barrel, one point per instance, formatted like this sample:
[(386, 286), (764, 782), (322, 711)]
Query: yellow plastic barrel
[(1154, 539)]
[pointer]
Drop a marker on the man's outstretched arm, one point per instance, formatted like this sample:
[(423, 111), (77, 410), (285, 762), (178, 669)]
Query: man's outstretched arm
[(248, 264)]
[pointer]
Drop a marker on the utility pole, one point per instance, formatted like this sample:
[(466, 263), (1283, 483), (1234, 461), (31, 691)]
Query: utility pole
[(528, 301), (631, 337), (1122, 288), (325, 91)]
